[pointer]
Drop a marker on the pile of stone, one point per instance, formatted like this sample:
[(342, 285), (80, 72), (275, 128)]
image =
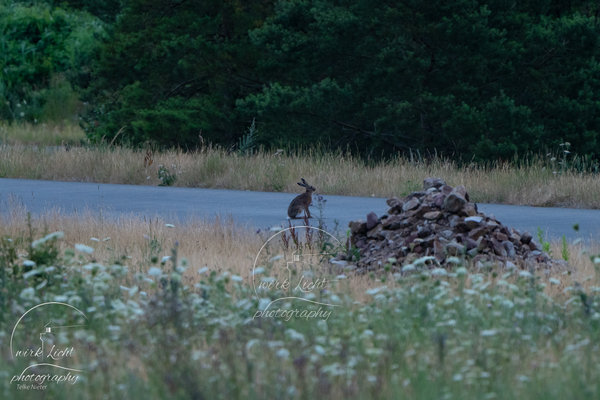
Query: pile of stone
[(441, 222)]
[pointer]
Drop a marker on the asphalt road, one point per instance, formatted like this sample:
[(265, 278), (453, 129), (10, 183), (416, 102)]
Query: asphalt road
[(254, 209)]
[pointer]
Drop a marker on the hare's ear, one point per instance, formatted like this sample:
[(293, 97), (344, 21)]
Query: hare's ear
[(303, 181), (301, 184)]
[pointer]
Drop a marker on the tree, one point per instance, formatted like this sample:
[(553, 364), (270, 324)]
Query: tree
[(173, 69), (483, 78), (106, 10), (38, 42)]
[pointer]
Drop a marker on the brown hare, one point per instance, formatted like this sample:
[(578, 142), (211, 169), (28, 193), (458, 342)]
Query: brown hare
[(301, 202)]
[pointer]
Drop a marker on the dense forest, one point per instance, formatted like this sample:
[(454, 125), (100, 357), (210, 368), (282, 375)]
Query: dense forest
[(480, 79)]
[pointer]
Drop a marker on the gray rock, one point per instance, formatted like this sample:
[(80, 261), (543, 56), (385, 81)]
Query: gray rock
[(473, 222), (432, 215), (456, 200), (371, 220), (385, 233), (411, 204), (498, 248), (447, 234), (392, 201), (438, 200), (455, 220), (374, 233), (455, 249), (391, 223), (526, 237), (437, 183), (477, 233), (471, 244), (534, 245), (470, 209), (359, 226), (492, 225), (442, 225), (510, 249)]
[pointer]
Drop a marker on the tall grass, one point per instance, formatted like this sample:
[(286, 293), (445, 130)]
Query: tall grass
[(41, 134), (463, 334), (536, 181), (221, 245)]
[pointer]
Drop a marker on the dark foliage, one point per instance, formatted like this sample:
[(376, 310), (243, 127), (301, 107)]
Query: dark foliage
[(173, 70), (483, 78)]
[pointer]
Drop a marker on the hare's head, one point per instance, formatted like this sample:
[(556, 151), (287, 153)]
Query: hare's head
[(307, 186)]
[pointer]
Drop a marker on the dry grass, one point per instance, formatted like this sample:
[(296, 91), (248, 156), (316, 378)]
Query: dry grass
[(533, 183), (217, 244), (221, 246)]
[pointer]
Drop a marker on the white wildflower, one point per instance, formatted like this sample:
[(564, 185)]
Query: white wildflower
[(31, 273), (489, 332), (461, 271), (283, 353), (251, 343), (258, 270), (83, 248), (27, 294)]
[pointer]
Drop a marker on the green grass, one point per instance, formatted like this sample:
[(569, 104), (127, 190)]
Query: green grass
[(432, 334), (41, 134)]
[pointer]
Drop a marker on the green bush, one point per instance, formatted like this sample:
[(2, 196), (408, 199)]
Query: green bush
[(42, 48), (171, 72)]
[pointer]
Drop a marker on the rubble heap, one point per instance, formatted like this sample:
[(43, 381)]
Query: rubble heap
[(440, 221)]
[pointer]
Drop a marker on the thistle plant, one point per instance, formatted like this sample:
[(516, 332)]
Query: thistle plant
[(565, 249), (165, 176), (545, 244)]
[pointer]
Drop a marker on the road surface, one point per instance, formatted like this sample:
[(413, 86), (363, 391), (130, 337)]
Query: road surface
[(258, 210)]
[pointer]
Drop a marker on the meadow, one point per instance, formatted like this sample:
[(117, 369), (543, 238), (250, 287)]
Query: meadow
[(130, 307), (172, 313), (172, 308), (555, 179), (60, 133)]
